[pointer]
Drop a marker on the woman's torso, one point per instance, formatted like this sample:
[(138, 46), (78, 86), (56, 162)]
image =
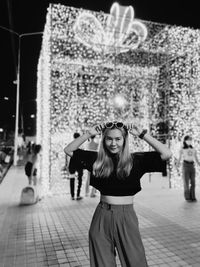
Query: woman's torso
[(188, 154), (117, 200), (31, 158), (121, 187)]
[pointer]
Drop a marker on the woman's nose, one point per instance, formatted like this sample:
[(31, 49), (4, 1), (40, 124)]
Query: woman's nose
[(113, 142)]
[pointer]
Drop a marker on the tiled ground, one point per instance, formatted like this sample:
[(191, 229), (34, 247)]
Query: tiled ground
[(54, 231)]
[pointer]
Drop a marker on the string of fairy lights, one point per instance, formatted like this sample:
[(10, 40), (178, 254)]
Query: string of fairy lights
[(87, 58)]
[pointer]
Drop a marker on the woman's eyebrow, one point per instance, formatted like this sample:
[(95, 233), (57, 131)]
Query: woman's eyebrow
[(116, 137)]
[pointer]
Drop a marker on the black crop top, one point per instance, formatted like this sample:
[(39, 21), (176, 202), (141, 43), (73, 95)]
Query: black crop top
[(143, 162)]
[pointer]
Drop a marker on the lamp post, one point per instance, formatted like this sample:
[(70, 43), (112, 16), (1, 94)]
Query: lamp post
[(17, 82)]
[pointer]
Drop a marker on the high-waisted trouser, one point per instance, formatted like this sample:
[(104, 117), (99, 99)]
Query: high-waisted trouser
[(189, 180), (115, 227)]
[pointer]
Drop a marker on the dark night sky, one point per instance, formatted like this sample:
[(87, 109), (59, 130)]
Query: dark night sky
[(26, 16)]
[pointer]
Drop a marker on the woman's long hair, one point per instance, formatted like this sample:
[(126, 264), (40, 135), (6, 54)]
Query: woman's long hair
[(185, 145), (104, 166)]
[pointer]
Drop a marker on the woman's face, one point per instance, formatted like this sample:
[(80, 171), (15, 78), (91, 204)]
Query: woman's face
[(189, 141), (114, 141)]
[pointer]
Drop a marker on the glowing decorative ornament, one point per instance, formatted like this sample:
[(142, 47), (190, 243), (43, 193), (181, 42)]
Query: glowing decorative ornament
[(119, 102), (119, 23), (89, 30), (121, 33)]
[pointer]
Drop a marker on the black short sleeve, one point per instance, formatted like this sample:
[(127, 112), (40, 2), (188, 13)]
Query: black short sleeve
[(151, 162), (82, 159)]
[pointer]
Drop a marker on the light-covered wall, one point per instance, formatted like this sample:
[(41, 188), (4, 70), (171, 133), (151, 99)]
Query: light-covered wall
[(81, 70)]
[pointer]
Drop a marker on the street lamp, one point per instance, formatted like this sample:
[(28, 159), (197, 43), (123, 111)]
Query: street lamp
[(17, 82)]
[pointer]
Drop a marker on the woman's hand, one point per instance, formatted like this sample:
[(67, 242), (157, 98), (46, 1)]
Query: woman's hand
[(96, 130), (133, 129)]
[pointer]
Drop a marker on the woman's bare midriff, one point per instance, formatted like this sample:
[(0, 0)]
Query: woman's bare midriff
[(117, 200)]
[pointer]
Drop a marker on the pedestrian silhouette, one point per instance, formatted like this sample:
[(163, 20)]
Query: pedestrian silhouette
[(188, 155), (75, 168), (91, 146), (31, 164)]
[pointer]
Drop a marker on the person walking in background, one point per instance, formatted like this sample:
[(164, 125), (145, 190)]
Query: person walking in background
[(91, 146), (75, 167), (31, 164), (116, 173), (28, 165), (189, 156), (29, 194)]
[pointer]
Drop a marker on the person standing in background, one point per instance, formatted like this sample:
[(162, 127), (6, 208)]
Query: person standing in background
[(91, 146), (75, 167), (31, 165), (189, 156)]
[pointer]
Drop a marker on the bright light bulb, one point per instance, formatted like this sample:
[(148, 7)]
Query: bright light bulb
[(119, 101)]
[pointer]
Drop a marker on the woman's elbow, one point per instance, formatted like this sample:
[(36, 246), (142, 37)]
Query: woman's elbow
[(167, 155), (67, 151)]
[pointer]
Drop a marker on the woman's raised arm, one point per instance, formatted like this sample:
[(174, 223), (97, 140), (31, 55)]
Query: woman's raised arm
[(76, 143), (164, 151)]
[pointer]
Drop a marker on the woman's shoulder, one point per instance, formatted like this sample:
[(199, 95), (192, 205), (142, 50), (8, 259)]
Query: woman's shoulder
[(143, 153), (138, 156), (83, 153), (145, 156), (84, 157), (91, 154)]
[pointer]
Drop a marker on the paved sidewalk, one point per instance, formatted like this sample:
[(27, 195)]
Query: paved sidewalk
[(54, 232)]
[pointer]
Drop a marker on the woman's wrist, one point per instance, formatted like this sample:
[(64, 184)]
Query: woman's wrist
[(94, 131), (88, 133), (142, 134)]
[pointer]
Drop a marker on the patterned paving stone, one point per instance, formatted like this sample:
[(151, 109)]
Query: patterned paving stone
[(54, 232)]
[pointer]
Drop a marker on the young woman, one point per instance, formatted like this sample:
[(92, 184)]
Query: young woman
[(189, 156), (116, 174)]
